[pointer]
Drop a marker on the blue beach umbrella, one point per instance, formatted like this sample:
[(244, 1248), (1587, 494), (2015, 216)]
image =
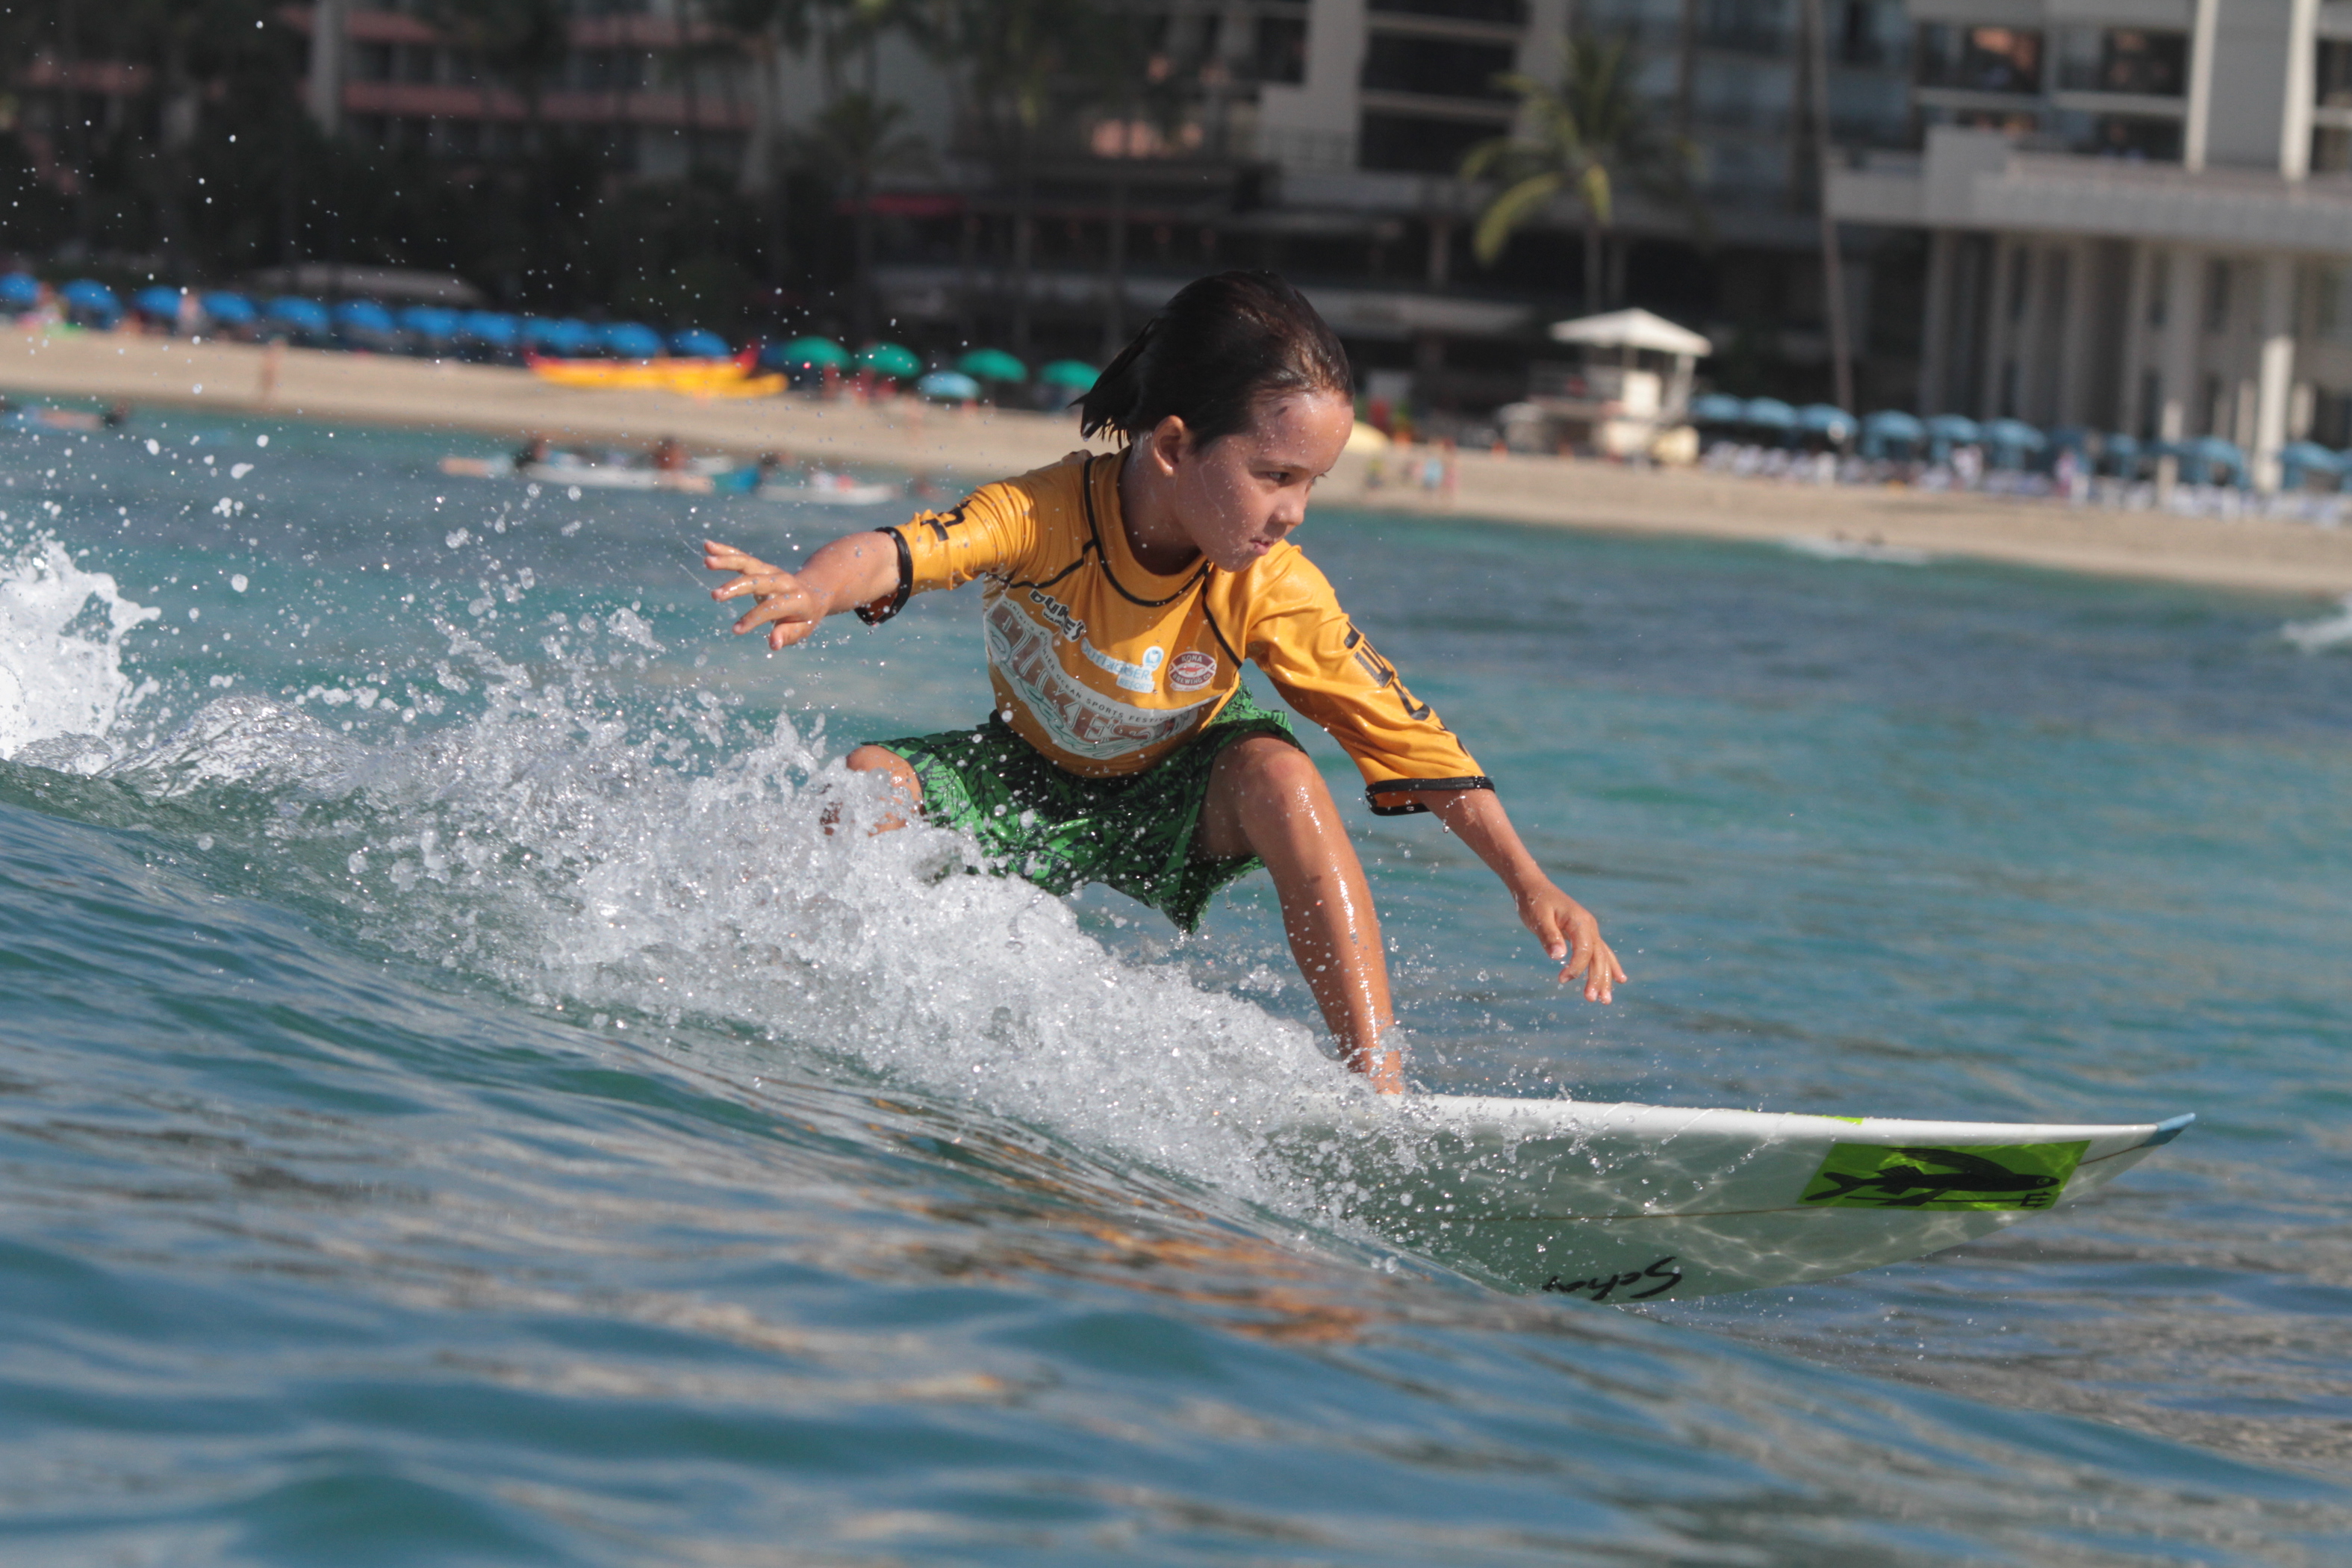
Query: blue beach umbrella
[(1891, 427), (630, 340), (2011, 440), (227, 309), (948, 387), (158, 302), (1715, 409), (2210, 460), (492, 329), (1828, 421), (1946, 431), (694, 342), (429, 324), (2298, 460), (561, 337), (303, 318), (2119, 453), (91, 303), (1769, 416), (19, 291), (363, 321)]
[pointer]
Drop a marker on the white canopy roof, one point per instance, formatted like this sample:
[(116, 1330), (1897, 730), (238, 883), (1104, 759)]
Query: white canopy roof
[(1632, 328)]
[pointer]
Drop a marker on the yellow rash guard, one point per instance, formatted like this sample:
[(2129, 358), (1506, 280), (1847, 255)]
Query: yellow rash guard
[(1106, 668)]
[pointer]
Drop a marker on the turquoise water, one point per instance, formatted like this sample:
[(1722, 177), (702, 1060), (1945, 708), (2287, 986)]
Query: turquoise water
[(457, 1108)]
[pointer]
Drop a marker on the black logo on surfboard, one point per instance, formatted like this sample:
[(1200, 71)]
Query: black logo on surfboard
[(1909, 1177), (1601, 1286)]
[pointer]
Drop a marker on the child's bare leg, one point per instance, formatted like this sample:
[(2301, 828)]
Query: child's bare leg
[(1266, 798), (901, 774)]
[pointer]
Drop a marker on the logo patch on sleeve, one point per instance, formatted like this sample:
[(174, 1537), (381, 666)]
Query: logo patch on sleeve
[(1191, 671)]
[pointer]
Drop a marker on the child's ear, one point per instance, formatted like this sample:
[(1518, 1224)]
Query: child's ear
[(1170, 442)]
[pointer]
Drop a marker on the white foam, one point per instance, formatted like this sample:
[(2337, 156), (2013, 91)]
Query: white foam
[(1838, 547), (63, 689), (2328, 631), (567, 854)]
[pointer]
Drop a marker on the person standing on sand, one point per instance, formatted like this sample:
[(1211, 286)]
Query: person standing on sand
[(1123, 593)]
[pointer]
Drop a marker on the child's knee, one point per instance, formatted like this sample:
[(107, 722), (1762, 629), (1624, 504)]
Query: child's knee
[(872, 758), (1268, 765)]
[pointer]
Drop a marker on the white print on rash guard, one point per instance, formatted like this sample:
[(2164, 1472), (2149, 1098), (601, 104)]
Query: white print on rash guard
[(1085, 723)]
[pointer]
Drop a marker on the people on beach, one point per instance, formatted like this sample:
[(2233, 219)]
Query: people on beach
[(1123, 592)]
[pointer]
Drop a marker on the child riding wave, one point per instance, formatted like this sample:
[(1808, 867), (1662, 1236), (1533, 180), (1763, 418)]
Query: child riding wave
[(1123, 592)]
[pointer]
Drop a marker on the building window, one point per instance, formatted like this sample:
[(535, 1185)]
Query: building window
[(2021, 276), (2159, 286), (1282, 48), (1979, 59), (2332, 302), (1441, 68), (372, 62), (2134, 138), (1511, 13), (2331, 417), (2331, 150), (1399, 142), (2123, 59), (2216, 295), (2217, 405), (2151, 405), (2332, 77)]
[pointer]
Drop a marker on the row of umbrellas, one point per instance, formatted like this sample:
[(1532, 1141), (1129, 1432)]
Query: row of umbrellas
[(969, 378), (2010, 443), (367, 325)]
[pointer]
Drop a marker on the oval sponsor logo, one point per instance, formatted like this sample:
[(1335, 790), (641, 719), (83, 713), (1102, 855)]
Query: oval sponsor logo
[(1191, 671)]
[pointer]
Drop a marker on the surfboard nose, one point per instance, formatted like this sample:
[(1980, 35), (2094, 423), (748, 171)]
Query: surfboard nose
[(2165, 1132)]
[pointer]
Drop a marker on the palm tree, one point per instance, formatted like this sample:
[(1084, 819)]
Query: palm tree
[(860, 137), (1018, 54), (1583, 138)]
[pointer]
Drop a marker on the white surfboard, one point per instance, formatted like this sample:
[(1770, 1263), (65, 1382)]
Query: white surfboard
[(1642, 1203)]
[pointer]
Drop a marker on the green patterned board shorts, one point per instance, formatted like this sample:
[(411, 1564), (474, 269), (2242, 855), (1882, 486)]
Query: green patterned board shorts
[(1061, 831)]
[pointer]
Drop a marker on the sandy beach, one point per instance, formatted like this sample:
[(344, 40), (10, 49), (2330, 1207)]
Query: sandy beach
[(228, 378)]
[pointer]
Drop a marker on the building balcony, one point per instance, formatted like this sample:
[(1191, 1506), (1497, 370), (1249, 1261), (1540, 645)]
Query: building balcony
[(1981, 180)]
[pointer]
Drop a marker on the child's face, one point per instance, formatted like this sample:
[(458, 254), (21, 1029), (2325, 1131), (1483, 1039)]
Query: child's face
[(1238, 497)]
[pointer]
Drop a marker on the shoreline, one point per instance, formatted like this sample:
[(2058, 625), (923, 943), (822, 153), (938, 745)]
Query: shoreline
[(2254, 554)]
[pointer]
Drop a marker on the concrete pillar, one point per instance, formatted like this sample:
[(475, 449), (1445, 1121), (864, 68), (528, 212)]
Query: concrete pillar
[(2129, 416), (2275, 380), (2076, 330), (1999, 300), (326, 86), (2295, 120), (1935, 342), (2198, 121), (2183, 315)]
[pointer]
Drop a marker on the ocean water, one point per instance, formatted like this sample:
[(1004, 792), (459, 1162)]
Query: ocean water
[(458, 1107)]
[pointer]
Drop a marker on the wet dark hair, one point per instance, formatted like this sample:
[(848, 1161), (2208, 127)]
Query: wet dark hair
[(1223, 344)]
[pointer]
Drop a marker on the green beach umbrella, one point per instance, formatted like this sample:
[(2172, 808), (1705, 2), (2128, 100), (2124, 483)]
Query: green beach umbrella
[(891, 359), (816, 352), (993, 364), (1074, 375)]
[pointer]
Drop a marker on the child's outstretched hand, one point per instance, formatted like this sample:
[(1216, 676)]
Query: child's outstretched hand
[(1572, 938), (785, 605)]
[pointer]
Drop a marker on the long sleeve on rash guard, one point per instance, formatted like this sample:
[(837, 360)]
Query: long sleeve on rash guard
[(1328, 670)]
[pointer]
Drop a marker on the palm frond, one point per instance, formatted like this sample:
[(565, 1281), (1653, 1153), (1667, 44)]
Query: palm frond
[(1507, 211)]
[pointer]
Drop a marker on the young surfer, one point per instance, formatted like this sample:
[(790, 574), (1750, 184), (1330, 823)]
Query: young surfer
[(1123, 592)]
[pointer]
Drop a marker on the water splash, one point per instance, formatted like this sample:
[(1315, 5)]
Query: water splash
[(63, 689), (558, 848)]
